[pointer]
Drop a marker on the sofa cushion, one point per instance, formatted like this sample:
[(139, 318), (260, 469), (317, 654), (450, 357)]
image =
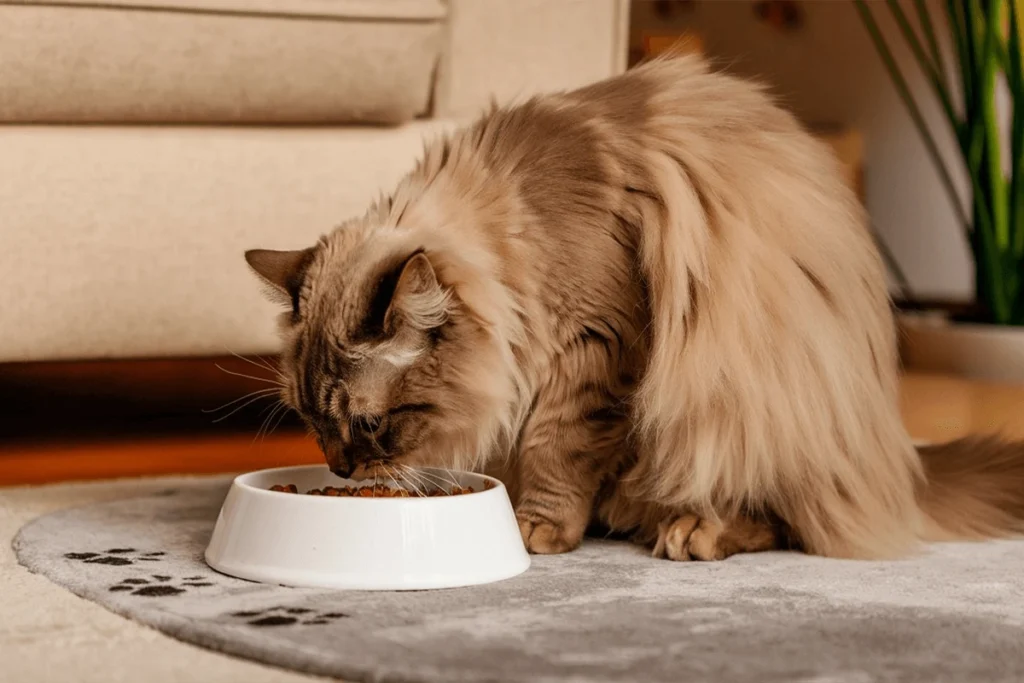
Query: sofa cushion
[(127, 241), (213, 61)]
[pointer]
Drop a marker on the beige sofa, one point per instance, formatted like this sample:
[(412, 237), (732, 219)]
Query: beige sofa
[(145, 145)]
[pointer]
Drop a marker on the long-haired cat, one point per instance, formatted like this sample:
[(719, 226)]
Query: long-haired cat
[(652, 303)]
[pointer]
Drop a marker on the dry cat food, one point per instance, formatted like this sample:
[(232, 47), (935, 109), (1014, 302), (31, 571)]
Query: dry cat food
[(377, 491)]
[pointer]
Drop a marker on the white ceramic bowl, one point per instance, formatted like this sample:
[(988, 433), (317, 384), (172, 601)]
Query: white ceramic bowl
[(364, 543)]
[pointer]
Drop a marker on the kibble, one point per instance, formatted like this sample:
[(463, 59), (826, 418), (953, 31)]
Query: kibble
[(377, 491)]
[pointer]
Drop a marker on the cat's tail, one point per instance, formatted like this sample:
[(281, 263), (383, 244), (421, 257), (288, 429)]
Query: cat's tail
[(974, 490)]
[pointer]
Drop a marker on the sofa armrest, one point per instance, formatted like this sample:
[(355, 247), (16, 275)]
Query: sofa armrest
[(508, 50)]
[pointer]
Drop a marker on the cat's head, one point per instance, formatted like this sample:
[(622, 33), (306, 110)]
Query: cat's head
[(386, 356)]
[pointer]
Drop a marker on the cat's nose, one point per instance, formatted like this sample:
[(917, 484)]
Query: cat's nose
[(344, 471), (339, 459)]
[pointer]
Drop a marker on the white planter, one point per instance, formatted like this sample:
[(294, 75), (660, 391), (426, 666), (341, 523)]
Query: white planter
[(932, 343)]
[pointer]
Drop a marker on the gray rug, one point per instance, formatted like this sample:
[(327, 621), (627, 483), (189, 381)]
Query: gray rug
[(604, 613)]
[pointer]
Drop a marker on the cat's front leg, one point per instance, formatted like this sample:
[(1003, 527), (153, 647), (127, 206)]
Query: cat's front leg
[(572, 441), (556, 488)]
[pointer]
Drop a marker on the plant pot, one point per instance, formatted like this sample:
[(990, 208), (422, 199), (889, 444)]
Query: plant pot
[(931, 342)]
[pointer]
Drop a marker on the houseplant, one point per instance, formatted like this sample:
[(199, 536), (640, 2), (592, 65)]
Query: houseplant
[(987, 43)]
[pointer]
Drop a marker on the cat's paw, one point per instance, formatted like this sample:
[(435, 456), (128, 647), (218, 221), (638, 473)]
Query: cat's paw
[(689, 537), (545, 538)]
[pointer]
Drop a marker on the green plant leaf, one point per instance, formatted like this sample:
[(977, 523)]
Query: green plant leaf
[(1015, 82), (987, 262), (915, 112), (989, 63), (893, 264), (955, 15), (924, 18), (930, 69), (988, 36)]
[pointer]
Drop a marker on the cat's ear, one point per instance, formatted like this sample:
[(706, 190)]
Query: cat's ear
[(419, 298), (284, 271)]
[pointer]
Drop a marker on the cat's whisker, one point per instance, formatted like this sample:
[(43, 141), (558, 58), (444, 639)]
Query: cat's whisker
[(259, 392), (387, 471), (263, 423), (444, 482), (395, 477), (278, 407), (253, 377), (411, 475), (642, 335), (269, 366), (425, 484), (416, 486), (434, 480), (399, 469), (377, 447), (271, 407), (412, 472), (280, 418), (450, 477), (383, 467), (263, 364), (247, 403)]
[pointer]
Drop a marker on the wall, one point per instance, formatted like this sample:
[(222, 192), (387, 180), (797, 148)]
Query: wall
[(828, 71)]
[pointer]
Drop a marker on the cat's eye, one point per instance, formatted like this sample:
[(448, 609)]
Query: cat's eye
[(369, 426)]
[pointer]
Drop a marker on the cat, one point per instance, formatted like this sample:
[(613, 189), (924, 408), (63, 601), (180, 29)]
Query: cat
[(650, 304)]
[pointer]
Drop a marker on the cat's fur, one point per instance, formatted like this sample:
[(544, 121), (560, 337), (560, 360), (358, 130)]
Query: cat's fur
[(653, 304)]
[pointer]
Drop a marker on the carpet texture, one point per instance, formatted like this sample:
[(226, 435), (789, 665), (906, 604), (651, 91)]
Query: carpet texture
[(50, 635), (604, 613)]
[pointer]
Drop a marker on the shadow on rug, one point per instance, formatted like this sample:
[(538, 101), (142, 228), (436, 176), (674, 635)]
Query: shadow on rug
[(606, 612)]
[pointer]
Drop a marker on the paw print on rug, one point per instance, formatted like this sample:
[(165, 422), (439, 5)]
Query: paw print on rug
[(117, 557), (288, 616), (159, 585)]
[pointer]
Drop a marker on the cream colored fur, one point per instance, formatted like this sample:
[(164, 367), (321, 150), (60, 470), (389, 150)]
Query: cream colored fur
[(654, 305), (772, 376)]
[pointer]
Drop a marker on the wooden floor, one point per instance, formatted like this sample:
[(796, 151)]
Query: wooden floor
[(940, 409), (151, 456), (934, 408)]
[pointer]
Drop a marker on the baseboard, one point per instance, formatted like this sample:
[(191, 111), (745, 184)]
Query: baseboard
[(119, 418)]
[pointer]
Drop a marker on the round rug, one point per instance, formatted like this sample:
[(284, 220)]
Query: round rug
[(606, 612)]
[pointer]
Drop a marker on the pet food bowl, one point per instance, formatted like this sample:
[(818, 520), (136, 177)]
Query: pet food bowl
[(365, 543)]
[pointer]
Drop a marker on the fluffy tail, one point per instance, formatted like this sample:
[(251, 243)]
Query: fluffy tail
[(975, 489)]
